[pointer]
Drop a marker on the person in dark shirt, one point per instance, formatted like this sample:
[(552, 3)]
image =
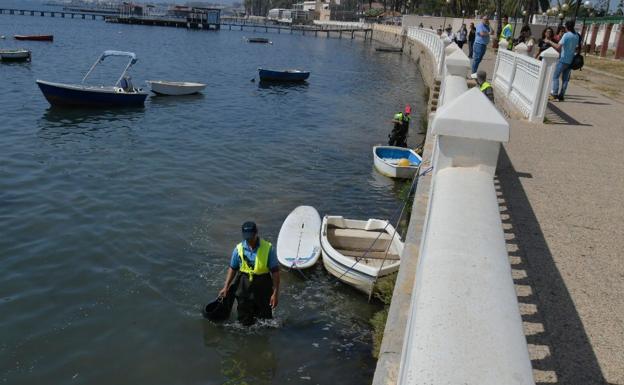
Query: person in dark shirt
[(542, 44), (471, 38)]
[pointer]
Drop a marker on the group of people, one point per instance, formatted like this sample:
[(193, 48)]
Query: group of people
[(565, 41)]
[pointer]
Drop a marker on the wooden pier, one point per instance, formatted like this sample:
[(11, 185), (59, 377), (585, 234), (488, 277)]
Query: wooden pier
[(62, 14), (191, 23)]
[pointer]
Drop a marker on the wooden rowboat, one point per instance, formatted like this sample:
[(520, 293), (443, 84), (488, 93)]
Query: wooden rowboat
[(35, 37), (358, 252)]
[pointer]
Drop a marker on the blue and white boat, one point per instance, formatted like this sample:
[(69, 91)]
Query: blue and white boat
[(121, 94), (396, 162), (283, 76)]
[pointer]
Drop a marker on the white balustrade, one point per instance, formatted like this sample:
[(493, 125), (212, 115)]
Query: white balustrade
[(464, 324), (525, 81), (434, 44)]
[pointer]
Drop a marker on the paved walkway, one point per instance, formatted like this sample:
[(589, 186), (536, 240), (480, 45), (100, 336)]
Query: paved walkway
[(562, 203)]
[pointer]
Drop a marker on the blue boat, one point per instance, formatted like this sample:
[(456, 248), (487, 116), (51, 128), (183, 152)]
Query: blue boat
[(396, 162), (121, 94), (283, 76)]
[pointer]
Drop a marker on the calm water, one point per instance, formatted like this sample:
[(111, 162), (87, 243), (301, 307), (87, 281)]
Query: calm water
[(116, 226)]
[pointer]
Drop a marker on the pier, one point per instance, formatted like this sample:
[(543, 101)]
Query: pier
[(62, 14)]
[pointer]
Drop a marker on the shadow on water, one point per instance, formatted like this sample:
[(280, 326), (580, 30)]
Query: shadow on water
[(283, 87), (57, 122), (167, 100)]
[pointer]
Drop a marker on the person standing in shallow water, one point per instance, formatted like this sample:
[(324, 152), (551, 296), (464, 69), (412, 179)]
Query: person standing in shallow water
[(258, 290)]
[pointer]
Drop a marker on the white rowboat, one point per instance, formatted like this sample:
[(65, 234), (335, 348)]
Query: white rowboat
[(163, 87), (298, 244), (360, 252), (388, 161)]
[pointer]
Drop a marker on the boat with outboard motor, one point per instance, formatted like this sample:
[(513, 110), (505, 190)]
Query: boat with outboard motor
[(121, 94)]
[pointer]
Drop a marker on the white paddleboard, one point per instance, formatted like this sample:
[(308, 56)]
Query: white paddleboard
[(298, 242)]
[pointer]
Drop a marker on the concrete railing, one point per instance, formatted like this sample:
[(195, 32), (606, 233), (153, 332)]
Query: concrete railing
[(525, 81), (464, 324), (433, 42), (388, 28), (342, 24)]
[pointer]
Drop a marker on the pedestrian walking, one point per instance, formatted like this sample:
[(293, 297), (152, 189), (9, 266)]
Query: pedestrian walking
[(471, 39), (567, 46), (482, 39), (461, 36), (255, 261)]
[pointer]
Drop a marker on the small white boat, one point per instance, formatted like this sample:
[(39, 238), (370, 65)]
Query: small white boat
[(360, 252), (298, 243), (396, 162), (163, 87), (15, 54)]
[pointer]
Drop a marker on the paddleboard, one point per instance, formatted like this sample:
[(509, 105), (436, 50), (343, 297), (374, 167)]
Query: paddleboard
[(298, 242)]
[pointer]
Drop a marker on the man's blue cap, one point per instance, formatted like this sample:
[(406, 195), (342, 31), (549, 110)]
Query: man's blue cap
[(249, 230)]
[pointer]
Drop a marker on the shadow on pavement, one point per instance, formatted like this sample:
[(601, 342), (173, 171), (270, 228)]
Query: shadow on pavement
[(555, 115), (558, 344)]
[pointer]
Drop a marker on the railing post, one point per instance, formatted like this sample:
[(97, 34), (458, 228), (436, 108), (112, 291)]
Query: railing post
[(549, 58), (605, 40)]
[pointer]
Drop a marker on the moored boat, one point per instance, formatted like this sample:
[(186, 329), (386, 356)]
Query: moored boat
[(34, 37), (388, 49), (163, 87), (298, 244), (359, 252), (262, 40), (15, 55), (121, 94), (396, 162), (283, 75)]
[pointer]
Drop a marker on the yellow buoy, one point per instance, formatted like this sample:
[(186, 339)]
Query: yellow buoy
[(404, 162)]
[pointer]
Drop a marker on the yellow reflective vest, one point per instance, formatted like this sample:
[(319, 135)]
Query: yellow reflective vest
[(507, 34), (485, 86), (261, 264)]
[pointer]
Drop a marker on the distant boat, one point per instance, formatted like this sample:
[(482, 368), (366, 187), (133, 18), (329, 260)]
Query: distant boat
[(388, 49), (163, 87), (283, 76), (358, 252), (298, 243), (263, 40), (35, 37), (122, 94), (396, 162), (15, 55)]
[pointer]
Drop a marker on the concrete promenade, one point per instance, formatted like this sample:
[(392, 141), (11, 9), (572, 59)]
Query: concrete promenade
[(561, 189)]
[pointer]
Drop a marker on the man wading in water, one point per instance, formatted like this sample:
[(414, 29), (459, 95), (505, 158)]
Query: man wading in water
[(258, 290)]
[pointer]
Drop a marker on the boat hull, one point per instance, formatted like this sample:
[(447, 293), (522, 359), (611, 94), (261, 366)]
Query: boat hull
[(35, 37), (386, 161), (64, 95), (175, 89), (283, 76), (361, 273), (17, 55)]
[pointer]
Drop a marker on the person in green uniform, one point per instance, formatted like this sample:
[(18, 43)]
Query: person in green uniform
[(507, 32), (485, 86), (255, 260), (401, 120)]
